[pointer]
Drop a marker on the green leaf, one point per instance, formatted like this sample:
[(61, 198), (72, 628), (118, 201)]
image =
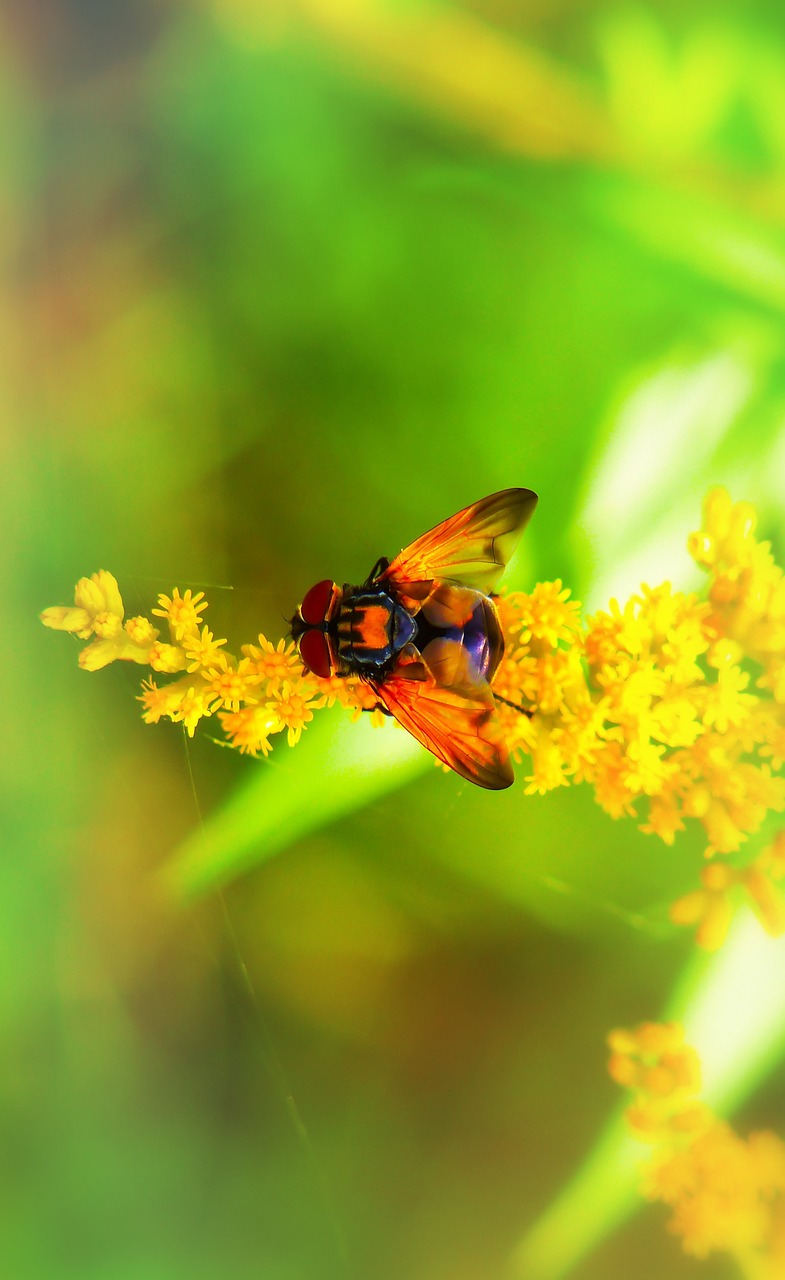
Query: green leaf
[(338, 767)]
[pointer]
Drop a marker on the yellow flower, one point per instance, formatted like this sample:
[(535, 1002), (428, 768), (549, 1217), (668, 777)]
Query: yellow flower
[(274, 663), (710, 908), (249, 729), (98, 610), (292, 710), (141, 632), (201, 650), (654, 1061), (609, 634), (166, 658), (549, 616), (181, 701), (193, 706), (99, 594), (355, 695), (98, 606), (726, 1194), (98, 654), (182, 612), (549, 768), (726, 704), (231, 685)]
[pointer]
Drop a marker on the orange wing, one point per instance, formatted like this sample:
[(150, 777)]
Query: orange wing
[(449, 708), (472, 547)]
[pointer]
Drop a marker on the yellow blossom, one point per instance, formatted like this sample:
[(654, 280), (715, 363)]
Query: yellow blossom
[(99, 594), (97, 599), (193, 706), (182, 612), (182, 701), (141, 632), (549, 615), (201, 649), (166, 658), (230, 685), (274, 663), (98, 654), (726, 1194), (710, 908), (249, 729), (354, 694), (292, 710), (62, 617), (159, 701)]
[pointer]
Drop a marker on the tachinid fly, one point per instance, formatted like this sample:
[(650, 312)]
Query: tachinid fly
[(424, 633)]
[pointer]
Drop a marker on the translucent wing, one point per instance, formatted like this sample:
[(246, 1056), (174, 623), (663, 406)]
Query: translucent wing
[(447, 707), (472, 547)]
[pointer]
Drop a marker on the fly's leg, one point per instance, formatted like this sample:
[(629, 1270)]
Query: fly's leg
[(379, 707), (381, 566), (514, 706)]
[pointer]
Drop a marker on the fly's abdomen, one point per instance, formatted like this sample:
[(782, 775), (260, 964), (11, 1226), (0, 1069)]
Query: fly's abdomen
[(482, 637), (470, 619)]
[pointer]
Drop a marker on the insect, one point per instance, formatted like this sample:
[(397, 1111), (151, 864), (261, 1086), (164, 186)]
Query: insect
[(424, 633)]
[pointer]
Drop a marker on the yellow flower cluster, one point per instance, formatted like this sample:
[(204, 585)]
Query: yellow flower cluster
[(711, 907), (651, 704), (726, 1194), (649, 700), (263, 693), (672, 706)]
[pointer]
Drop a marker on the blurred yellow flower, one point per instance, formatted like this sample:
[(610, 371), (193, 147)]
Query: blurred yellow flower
[(726, 1194)]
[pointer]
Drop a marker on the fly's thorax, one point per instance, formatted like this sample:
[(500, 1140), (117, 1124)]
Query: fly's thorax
[(370, 629)]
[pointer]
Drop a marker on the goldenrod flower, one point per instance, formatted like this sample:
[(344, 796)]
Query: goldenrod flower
[(249, 729), (201, 649), (231, 685), (726, 1194), (192, 706), (274, 664), (97, 601), (725, 887), (166, 658), (99, 595), (182, 612), (293, 708), (671, 705), (141, 632)]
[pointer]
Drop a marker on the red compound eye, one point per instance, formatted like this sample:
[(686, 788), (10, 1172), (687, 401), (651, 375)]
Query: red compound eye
[(316, 603), (315, 652)]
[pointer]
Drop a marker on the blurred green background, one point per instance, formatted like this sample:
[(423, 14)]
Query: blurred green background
[(287, 282)]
